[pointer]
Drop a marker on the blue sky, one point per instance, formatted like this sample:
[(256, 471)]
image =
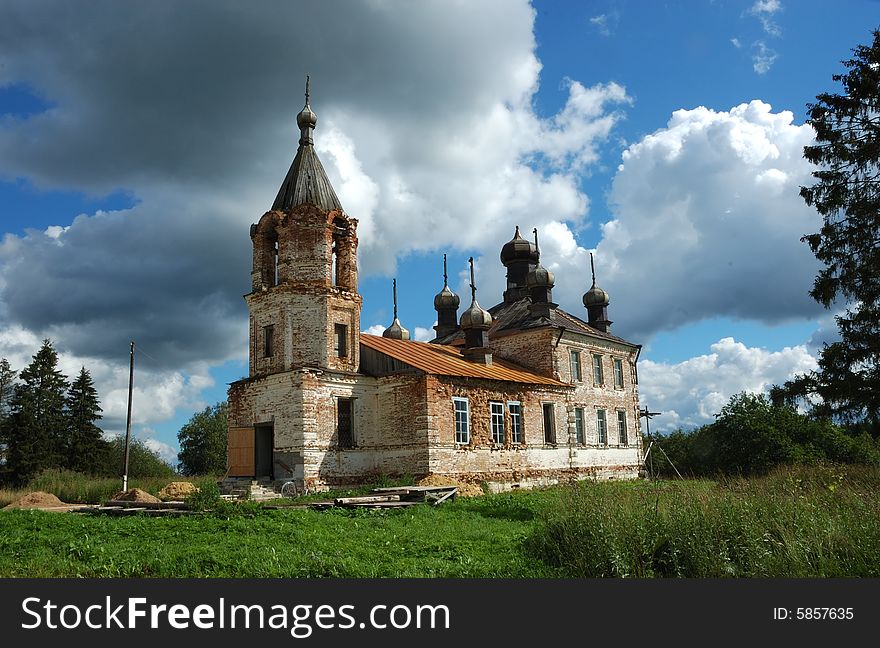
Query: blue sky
[(135, 150)]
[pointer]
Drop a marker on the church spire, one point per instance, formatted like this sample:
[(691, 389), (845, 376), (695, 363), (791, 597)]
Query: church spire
[(306, 181)]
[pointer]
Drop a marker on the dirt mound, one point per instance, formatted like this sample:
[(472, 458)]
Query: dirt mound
[(136, 495), (178, 491), (464, 489), (38, 499)]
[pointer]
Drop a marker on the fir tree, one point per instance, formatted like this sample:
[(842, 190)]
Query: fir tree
[(37, 423), (86, 449), (7, 386), (847, 195)]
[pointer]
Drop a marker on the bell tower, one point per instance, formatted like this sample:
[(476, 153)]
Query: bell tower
[(304, 305)]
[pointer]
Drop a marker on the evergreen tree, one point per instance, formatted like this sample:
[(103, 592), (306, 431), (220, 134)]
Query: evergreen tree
[(847, 195), (7, 386), (86, 449), (203, 442), (37, 422)]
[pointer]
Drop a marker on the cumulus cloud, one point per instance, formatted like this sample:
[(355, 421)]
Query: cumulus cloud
[(690, 393), (194, 117), (707, 222)]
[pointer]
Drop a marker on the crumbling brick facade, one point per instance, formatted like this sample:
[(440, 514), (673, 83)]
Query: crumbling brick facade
[(549, 398)]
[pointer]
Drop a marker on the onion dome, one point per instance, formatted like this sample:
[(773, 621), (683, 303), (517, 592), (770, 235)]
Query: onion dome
[(595, 296), (518, 249), (475, 317), (306, 118), (539, 276), (396, 330), (446, 299)]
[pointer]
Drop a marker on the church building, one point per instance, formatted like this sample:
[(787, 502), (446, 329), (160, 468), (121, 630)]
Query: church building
[(521, 394)]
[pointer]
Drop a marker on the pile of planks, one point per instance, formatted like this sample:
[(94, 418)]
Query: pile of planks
[(394, 497), (120, 507)]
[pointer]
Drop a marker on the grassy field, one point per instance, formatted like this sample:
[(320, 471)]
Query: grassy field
[(796, 522)]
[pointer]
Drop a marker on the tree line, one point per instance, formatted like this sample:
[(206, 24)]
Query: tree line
[(48, 421)]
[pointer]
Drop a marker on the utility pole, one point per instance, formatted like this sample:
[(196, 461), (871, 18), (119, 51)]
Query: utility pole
[(128, 418), (652, 442)]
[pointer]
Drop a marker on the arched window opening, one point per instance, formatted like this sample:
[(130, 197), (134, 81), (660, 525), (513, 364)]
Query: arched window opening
[(276, 273)]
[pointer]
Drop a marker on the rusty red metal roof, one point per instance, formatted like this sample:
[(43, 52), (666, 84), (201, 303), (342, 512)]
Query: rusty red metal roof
[(445, 360)]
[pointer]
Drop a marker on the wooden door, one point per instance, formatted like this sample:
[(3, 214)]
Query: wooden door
[(240, 452)]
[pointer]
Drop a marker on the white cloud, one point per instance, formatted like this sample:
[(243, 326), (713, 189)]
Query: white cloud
[(165, 451), (764, 10), (606, 23), (763, 57), (690, 393), (708, 221), (735, 42)]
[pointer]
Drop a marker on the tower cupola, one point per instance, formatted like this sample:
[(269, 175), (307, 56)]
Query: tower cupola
[(476, 322), (519, 256), (446, 304), (396, 330), (596, 302), (540, 282)]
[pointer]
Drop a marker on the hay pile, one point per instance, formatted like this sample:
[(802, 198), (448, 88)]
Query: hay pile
[(178, 491), (38, 499), (464, 489), (136, 495)]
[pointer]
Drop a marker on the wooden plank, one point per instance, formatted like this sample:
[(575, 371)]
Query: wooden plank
[(382, 504), (343, 501), (445, 497), (240, 456)]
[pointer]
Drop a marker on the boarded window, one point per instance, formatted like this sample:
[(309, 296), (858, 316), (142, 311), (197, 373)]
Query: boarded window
[(462, 420), (618, 373), (340, 340), (579, 424), (621, 428), (344, 426), (549, 424), (601, 427), (598, 377), (496, 413), (515, 410)]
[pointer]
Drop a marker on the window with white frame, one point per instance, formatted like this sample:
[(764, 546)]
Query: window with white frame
[(579, 425), (621, 428), (598, 377), (601, 427), (496, 419), (515, 410), (462, 420), (576, 374), (618, 373)]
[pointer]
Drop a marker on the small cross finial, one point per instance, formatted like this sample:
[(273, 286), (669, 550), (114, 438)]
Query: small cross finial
[(473, 285), (537, 249), (593, 268), (394, 288), (516, 233), (308, 83), (445, 277)]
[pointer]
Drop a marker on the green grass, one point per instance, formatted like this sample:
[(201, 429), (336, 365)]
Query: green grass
[(76, 488), (796, 522), (480, 537)]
